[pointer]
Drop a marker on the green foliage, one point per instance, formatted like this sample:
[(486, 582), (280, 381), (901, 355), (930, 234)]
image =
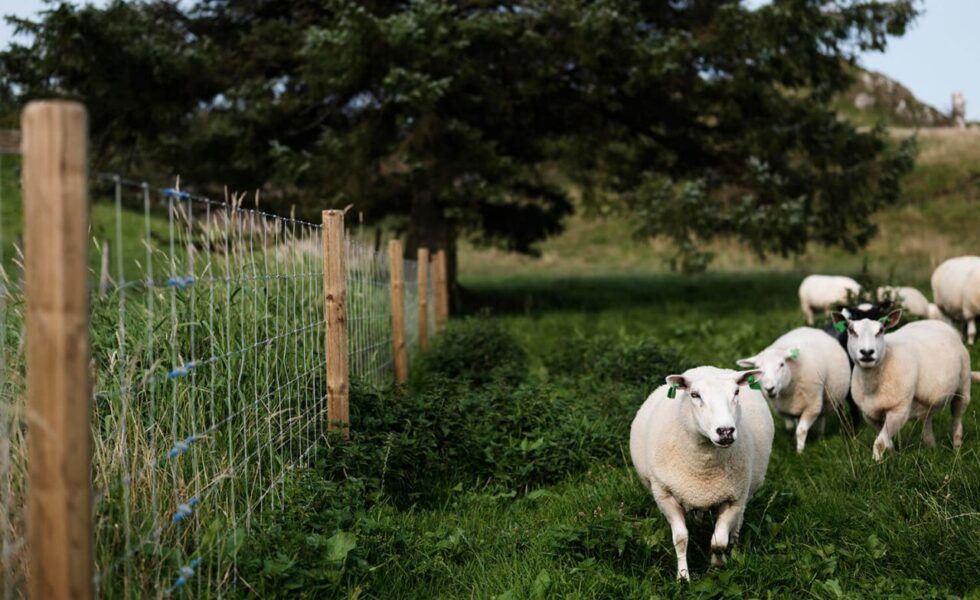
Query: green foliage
[(137, 66), (476, 350), (413, 447), (614, 359), (610, 536)]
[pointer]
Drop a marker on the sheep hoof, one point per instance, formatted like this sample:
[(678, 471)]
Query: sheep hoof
[(683, 576), (717, 558)]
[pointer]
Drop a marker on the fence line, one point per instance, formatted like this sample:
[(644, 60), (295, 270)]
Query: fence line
[(210, 345)]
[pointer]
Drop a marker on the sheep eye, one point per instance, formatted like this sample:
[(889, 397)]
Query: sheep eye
[(695, 395)]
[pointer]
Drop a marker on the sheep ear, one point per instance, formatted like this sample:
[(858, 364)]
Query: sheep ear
[(892, 319), (748, 363), (750, 378), (840, 321), (676, 382)]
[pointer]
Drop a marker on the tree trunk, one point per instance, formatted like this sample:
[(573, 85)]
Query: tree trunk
[(429, 228)]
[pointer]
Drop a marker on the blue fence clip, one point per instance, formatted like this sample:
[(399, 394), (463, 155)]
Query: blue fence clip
[(171, 192), (178, 449), (181, 446), (181, 282), (186, 572), (185, 510), (182, 370)]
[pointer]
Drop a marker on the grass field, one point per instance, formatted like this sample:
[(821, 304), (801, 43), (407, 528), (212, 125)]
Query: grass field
[(828, 524)]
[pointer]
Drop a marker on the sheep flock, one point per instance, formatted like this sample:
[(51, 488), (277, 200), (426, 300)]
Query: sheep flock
[(702, 440)]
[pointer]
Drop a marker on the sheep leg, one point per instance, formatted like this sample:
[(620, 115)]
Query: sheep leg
[(821, 425), (803, 427), (971, 330), (927, 437), (790, 423), (678, 529), (808, 313), (958, 407), (729, 517), (893, 422)]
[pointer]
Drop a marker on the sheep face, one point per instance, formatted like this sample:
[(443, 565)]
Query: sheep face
[(866, 337), (714, 403), (775, 368)]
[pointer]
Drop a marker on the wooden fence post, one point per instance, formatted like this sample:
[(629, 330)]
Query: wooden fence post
[(335, 313), (423, 280), (396, 268), (56, 217), (441, 291)]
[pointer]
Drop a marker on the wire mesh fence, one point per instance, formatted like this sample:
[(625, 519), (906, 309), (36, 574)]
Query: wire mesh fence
[(369, 312), (210, 385), (207, 340)]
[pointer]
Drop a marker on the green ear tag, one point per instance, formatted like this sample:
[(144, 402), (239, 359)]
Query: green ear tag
[(794, 353), (672, 392), (884, 319), (840, 326), (755, 385)]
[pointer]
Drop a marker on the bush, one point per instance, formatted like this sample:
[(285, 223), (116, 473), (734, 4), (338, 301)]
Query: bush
[(641, 362), (609, 358), (476, 350), (412, 448)]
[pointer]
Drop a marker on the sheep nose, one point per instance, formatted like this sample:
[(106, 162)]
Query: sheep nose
[(725, 434), (770, 391), (867, 353)]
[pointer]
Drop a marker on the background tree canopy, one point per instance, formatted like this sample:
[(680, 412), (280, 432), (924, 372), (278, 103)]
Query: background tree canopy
[(698, 118)]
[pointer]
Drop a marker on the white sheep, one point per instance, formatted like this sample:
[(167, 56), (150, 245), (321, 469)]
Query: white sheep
[(956, 290), (911, 300), (820, 292), (805, 375), (703, 441), (911, 372)]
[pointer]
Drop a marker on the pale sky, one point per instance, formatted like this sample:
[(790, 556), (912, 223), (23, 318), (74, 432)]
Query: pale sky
[(940, 55)]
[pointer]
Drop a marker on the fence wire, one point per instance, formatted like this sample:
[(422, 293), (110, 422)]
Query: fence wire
[(207, 336)]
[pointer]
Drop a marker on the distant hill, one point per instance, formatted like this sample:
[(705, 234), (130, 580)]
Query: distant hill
[(875, 98), (936, 219)]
